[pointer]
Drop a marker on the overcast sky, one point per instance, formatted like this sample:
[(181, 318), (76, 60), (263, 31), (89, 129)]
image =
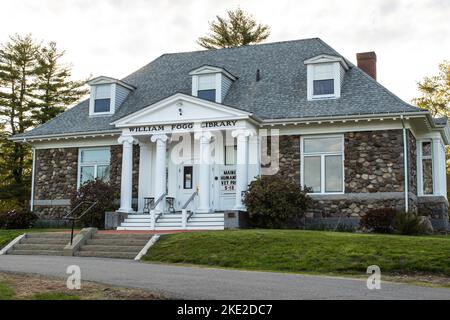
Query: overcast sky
[(116, 37)]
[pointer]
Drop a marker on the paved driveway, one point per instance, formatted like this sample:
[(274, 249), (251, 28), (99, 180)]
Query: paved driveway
[(205, 283)]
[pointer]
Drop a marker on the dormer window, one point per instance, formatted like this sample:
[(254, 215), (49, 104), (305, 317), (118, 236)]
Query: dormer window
[(107, 95), (207, 87), (211, 83), (102, 100), (325, 74), (323, 82)]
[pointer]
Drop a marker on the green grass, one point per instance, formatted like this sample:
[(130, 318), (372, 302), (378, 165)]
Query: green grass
[(7, 236), (6, 292), (306, 251), (54, 296)]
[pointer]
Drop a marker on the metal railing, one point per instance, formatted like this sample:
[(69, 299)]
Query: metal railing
[(71, 217), (191, 198), (156, 204)]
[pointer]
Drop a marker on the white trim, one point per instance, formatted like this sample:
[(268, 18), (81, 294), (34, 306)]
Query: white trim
[(92, 99), (322, 162), (10, 245), (405, 165), (95, 165), (33, 169), (420, 158), (147, 246), (211, 69), (109, 80), (178, 97), (326, 58)]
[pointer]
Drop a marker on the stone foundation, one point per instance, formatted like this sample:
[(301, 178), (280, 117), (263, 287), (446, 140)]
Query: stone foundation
[(436, 207)]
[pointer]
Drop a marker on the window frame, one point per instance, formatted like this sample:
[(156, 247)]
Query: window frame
[(93, 97), (322, 163), (336, 75), (91, 164), (420, 158)]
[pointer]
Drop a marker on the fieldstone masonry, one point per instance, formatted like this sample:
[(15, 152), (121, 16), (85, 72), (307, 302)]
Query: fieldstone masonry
[(374, 175), (55, 180)]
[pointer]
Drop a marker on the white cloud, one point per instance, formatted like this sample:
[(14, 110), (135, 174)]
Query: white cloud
[(116, 37)]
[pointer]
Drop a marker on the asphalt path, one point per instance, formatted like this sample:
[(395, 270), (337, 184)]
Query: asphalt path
[(181, 282)]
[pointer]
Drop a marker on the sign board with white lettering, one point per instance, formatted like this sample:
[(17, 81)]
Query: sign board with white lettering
[(228, 180)]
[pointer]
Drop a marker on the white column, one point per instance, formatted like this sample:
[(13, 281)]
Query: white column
[(145, 165), (438, 167), (126, 183), (204, 172), (241, 165), (160, 168)]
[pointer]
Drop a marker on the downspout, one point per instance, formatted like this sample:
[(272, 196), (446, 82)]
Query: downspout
[(33, 169), (405, 163)]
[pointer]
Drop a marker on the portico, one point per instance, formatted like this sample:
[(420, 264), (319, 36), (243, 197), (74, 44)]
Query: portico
[(186, 155)]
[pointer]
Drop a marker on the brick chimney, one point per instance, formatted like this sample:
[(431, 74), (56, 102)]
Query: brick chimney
[(367, 61)]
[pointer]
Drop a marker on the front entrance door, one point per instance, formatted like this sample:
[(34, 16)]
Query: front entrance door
[(186, 183)]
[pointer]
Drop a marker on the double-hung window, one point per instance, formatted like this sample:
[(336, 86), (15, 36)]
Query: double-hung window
[(207, 87), (102, 101), (322, 163), (426, 167), (323, 81), (94, 163)]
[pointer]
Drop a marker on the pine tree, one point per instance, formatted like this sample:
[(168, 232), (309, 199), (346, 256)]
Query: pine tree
[(238, 29), (18, 70), (55, 90)]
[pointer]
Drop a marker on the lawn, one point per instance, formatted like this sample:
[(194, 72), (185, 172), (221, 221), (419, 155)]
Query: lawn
[(306, 251), (6, 236), (14, 286)]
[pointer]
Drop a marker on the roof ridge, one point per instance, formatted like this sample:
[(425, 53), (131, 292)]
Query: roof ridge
[(243, 46)]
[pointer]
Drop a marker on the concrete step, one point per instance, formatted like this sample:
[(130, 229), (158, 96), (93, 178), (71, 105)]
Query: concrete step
[(110, 242), (37, 252), (51, 247), (123, 236), (61, 241), (111, 248), (107, 254), (205, 223), (201, 219), (137, 220), (52, 235)]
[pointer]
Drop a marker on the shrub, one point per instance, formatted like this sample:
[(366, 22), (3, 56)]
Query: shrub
[(379, 220), (409, 224), (344, 227), (274, 202), (95, 190), (17, 219)]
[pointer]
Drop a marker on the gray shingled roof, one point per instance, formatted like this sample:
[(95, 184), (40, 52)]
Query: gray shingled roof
[(280, 94)]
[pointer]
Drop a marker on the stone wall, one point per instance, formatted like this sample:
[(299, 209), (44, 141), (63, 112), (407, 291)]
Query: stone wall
[(56, 178), (56, 173), (412, 163), (374, 175), (289, 157), (374, 161)]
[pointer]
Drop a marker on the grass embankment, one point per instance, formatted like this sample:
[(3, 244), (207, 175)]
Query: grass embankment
[(306, 251), (34, 287), (6, 236)]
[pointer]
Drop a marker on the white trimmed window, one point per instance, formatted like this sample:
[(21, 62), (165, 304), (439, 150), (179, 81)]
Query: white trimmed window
[(322, 163), (207, 85), (93, 163), (325, 75), (425, 167)]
